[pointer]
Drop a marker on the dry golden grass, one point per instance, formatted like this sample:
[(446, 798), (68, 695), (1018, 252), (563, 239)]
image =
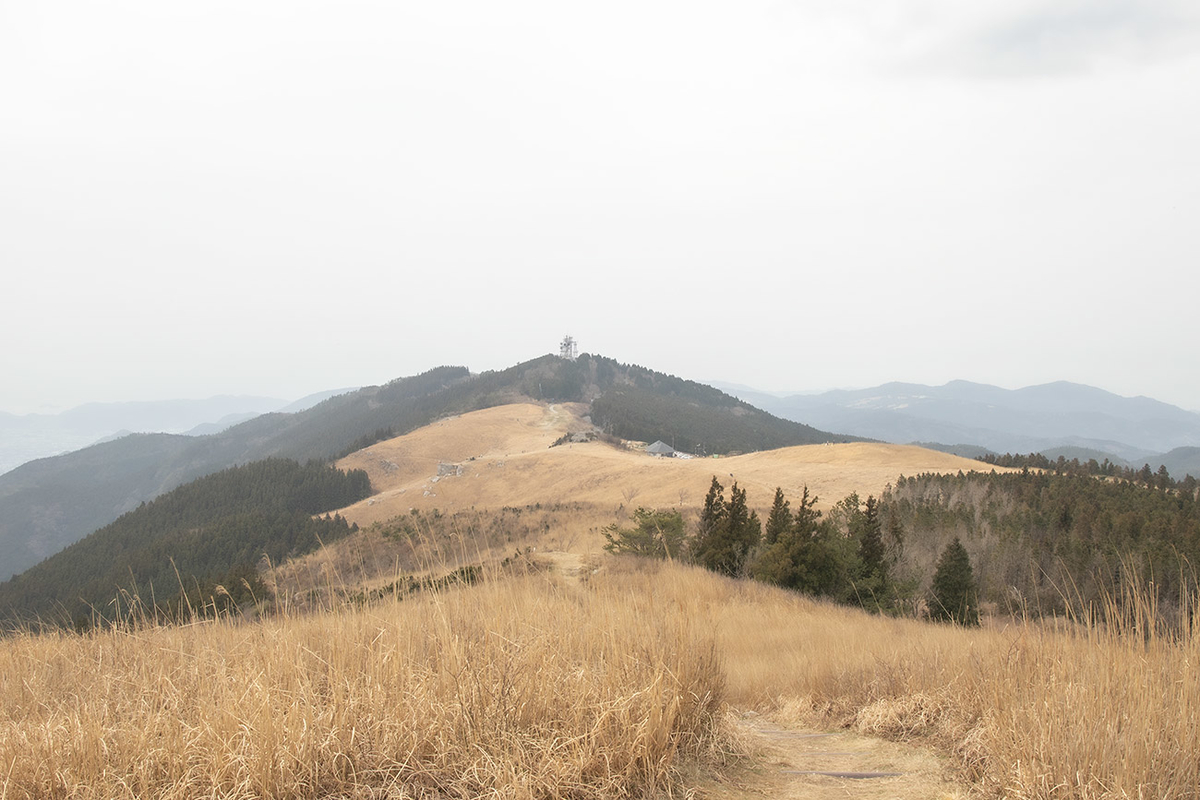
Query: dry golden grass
[(511, 689), (507, 460), (1104, 709), (533, 687), (528, 686), (419, 544)]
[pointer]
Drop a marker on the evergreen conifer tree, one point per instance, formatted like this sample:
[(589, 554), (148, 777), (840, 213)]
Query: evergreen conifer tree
[(657, 534), (793, 549), (870, 540), (872, 589), (780, 519), (728, 531), (954, 594), (807, 518), (712, 516), (775, 562)]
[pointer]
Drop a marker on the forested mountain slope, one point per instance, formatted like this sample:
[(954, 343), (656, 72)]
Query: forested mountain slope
[(47, 504), (213, 530)]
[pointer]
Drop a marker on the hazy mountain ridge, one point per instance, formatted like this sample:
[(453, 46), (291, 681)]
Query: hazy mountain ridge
[(27, 437), (210, 428), (47, 504), (1043, 418)]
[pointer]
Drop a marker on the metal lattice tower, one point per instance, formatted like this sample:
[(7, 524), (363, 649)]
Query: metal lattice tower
[(568, 349)]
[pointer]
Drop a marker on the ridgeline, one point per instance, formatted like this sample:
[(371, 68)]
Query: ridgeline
[(51, 503)]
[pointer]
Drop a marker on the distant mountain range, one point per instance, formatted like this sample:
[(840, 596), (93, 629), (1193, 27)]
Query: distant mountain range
[(26, 437), (1059, 418), (47, 504)]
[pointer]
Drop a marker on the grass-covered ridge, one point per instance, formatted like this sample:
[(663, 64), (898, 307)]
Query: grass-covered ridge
[(49, 504)]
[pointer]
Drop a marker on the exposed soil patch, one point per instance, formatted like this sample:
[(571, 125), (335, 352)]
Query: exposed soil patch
[(792, 763)]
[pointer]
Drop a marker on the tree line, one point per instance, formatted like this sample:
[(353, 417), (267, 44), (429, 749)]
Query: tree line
[(1045, 542), (848, 555), (1150, 478), (1036, 542)]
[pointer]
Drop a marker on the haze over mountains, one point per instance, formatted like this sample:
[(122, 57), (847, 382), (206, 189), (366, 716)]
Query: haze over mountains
[(1054, 418), (26, 437)]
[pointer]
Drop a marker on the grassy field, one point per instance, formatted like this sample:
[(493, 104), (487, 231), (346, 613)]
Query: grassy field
[(507, 460), (512, 688), (1099, 708), (532, 686), (504, 488), (572, 673)]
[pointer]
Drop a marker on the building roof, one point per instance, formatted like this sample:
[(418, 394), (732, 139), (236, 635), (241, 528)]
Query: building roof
[(660, 448)]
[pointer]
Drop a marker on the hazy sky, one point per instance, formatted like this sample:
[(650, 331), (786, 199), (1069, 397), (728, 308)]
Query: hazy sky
[(281, 197)]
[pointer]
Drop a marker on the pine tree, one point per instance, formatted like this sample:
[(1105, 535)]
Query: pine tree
[(826, 562), (807, 518), (871, 589), (744, 531), (780, 519), (712, 527), (954, 594), (1162, 478), (657, 534), (728, 531), (713, 515), (1146, 475), (775, 561), (870, 540), (792, 548)]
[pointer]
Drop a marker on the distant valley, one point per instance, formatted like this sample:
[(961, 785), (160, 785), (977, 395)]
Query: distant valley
[(966, 418)]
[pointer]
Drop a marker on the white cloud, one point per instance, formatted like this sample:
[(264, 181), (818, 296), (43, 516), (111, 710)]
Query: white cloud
[(1019, 38)]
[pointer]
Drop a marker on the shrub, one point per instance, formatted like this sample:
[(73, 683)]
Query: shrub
[(658, 534)]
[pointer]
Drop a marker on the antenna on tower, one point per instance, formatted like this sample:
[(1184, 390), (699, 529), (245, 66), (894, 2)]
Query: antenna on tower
[(568, 349)]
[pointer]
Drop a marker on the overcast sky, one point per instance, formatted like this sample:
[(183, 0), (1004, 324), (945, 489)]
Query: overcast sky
[(280, 197)]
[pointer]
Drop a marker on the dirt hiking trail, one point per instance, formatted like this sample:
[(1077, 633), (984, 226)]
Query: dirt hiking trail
[(792, 763)]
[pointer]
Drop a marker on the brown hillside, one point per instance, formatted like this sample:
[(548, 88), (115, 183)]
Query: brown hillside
[(502, 457)]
